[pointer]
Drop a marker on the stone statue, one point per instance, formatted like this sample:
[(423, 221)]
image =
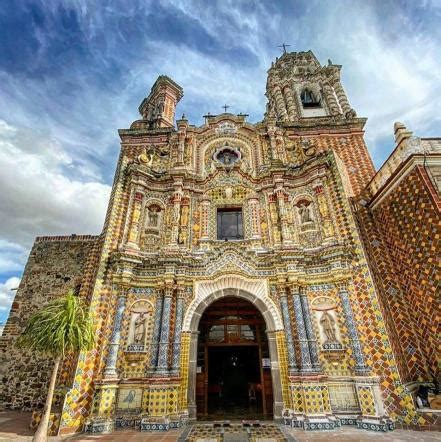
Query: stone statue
[(153, 217), (328, 324), (305, 214), (139, 330)]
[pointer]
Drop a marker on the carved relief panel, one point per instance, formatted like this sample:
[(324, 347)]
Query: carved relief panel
[(140, 325), (327, 321)]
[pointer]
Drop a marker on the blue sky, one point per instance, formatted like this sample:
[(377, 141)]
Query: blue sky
[(73, 72)]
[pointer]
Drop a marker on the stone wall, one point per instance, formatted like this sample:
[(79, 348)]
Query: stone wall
[(55, 265)]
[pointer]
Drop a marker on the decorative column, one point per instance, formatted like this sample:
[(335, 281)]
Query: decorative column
[(312, 341), (134, 222), (176, 215), (292, 364), (342, 98), (183, 229), (301, 332), (290, 102), (182, 131), (282, 197), (156, 331), (274, 217), (165, 330), (113, 346), (357, 352), (178, 328), (327, 226), (271, 130), (205, 213), (254, 208), (331, 100), (280, 104)]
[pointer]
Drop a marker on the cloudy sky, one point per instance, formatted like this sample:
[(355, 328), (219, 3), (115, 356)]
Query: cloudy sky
[(73, 72)]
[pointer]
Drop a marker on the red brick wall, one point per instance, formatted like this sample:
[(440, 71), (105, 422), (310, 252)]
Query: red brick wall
[(402, 238)]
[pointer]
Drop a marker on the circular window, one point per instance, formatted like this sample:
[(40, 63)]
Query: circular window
[(227, 156)]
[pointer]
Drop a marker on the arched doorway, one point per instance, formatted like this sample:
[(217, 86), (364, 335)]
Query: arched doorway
[(233, 376), (254, 291)]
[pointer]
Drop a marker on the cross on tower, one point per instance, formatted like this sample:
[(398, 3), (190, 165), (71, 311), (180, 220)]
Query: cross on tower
[(225, 107), (284, 46)]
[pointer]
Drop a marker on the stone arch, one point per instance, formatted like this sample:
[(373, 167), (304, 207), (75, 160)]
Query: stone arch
[(255, 291)]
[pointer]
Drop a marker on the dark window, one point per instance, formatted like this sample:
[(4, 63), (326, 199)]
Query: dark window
[(229, 224), (309, 99)]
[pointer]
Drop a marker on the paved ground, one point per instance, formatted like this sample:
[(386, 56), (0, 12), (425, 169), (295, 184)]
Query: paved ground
[(14, 427)]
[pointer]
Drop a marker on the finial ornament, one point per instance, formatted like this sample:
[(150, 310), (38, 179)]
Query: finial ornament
[(225, 107), (284, 46)]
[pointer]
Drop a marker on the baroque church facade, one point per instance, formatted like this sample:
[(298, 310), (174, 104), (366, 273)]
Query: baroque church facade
[(241, 266)]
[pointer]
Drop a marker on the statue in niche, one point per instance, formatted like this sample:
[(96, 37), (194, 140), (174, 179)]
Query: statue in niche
[(153, 216), (328, 325), (139, 329), (305, 214)]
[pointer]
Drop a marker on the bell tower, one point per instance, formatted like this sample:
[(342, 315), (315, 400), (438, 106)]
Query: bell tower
[(299, 87), (159, 108)]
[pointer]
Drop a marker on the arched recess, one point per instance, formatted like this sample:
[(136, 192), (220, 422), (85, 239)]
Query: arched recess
[(253, 291)]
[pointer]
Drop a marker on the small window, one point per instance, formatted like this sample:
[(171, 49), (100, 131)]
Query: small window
[(309, 99), (229, 224)]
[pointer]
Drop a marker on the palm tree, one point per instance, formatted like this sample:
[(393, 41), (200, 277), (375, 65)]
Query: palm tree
[(63, 326)]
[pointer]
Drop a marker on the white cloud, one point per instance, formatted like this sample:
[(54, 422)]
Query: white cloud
[(58, 140), (37, 198), (7, 294)]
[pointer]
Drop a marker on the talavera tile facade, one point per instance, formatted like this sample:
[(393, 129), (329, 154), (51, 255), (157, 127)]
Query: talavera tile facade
[(340, 261)]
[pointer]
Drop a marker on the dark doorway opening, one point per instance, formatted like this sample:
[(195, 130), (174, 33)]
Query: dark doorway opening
[(234, 386), (233, 379)]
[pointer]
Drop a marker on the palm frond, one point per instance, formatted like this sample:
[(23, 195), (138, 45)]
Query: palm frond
[(62, 326)]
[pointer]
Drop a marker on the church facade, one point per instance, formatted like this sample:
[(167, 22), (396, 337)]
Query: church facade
[(237, 270)]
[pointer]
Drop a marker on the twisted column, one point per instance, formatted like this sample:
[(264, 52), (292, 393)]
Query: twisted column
[(312, 341), (330, 98), (165, 330), (114, 342), (292, 364), (357, 352), (290, 103), (280, 104), (178, 328), (156, 331), (342, 98), (301, 332)]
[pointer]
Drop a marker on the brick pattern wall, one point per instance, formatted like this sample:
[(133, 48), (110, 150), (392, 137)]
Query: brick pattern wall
[(402, 237)]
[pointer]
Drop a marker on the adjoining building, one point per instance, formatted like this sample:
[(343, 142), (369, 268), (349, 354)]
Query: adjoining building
[(249, 271)]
